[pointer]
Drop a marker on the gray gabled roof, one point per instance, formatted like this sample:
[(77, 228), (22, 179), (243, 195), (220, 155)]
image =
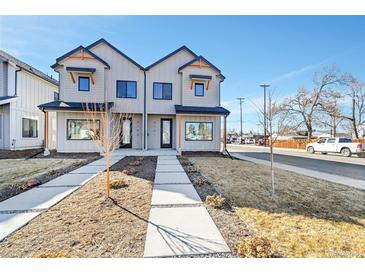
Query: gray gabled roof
[(171, 54), (102, 40), (7, 57), (73, 106), (59, 59)]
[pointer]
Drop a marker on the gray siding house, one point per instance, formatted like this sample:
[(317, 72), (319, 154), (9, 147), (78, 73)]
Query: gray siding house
[(22, 89), (174, 103)]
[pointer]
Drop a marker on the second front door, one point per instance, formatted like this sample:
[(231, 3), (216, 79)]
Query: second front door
[(166, 133)]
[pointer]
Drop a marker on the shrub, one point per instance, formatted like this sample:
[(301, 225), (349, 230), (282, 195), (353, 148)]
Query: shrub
[(200, 181), (136, 163), (61, 254), (254, 247), (129, 171), (216, 201), (191, 169), (118, 183)]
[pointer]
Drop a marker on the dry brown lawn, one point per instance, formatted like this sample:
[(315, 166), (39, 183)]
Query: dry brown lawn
[(87, 224), (307, 217)]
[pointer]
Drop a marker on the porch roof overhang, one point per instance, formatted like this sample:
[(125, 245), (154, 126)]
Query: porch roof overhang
[(205, 77), (79, 69), (74, 106), (201, 110), (7, 99)]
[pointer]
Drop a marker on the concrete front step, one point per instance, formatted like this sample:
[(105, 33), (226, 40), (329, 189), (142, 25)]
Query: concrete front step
[(182, 231), (177, 194)]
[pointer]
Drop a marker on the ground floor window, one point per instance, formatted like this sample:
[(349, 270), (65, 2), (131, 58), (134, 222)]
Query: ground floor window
[(198, 131), (29, 128), (82, 129)]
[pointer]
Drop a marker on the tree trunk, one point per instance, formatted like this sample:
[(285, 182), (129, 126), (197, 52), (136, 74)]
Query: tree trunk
[(353, 120), (272, 168)]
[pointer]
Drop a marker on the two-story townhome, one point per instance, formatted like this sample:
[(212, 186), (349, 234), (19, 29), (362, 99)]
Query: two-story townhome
[(173, 103), (22, 89)]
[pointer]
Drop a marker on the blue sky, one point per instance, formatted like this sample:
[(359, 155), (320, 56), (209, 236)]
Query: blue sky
[(283, 51)]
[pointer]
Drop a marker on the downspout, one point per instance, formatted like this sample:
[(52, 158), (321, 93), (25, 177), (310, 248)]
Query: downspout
[(16, 81), (45, 149), (144, 111)]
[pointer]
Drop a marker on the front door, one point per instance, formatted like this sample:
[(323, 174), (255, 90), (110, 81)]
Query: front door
[(166, 133), (126, 133)]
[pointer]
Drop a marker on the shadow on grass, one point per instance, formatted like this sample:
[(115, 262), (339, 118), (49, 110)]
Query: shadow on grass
[(178, 242)]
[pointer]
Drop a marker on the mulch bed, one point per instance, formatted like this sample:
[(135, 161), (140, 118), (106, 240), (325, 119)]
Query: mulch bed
[(229, 224), (17, 188), (88, 224), (16, 154)]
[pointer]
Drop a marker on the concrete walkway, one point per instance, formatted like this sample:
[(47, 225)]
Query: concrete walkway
[(179, 224), (17, 211), (307, 172)]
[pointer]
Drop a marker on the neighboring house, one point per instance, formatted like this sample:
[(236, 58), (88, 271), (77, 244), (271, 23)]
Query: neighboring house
[(174, 103), (22, 89)]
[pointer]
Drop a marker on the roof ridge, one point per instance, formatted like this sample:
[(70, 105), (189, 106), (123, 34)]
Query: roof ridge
[(28, 67), (183, 47)]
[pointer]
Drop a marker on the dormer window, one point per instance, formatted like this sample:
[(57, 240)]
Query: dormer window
[(199, 89), (84, 83)]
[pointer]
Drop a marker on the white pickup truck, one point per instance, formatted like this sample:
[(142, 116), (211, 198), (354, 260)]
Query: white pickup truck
[(345, 146)]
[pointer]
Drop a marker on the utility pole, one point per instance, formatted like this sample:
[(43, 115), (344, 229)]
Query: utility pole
[(265, 123), (241, 99)]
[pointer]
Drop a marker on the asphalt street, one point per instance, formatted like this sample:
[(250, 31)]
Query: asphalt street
[(337, 168)]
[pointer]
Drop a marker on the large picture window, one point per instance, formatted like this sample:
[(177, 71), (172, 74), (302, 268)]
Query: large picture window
[(29, 128), (162, 91), (82, 129), (126, 89), (198, 131)]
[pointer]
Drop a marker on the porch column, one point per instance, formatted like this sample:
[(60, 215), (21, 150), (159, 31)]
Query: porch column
[(46, 134), (225, 133), (179, 132)]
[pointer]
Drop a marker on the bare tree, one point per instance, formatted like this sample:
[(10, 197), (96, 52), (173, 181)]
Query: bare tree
[(105, 130), (330, 107), (356, 117), (277, 123), (305, 104)]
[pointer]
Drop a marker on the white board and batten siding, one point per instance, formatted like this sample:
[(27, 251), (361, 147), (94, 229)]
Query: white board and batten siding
[(70, 90), (124, 70), (166, 72), (31, 91)]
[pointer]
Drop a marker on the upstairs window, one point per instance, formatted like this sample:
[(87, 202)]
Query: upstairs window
[(29, 128), (162, 91), (56, 96), (199, 89), (84, 83), (126, 89)]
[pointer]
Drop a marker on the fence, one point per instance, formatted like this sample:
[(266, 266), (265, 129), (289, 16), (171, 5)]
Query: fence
[(301, 143)]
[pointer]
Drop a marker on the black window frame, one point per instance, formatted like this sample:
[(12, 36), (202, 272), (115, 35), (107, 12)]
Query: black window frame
[(84, 77), (198, 122), (56, 96), (67, 131), (126, 81), (199, 84), (162, 83), (37, 128)]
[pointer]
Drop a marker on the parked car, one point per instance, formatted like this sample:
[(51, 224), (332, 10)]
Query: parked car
[(345, 146)]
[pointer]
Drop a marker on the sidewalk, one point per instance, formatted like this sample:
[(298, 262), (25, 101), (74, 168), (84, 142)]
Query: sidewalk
[(307, 172), (179, 224), (17, 211)]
